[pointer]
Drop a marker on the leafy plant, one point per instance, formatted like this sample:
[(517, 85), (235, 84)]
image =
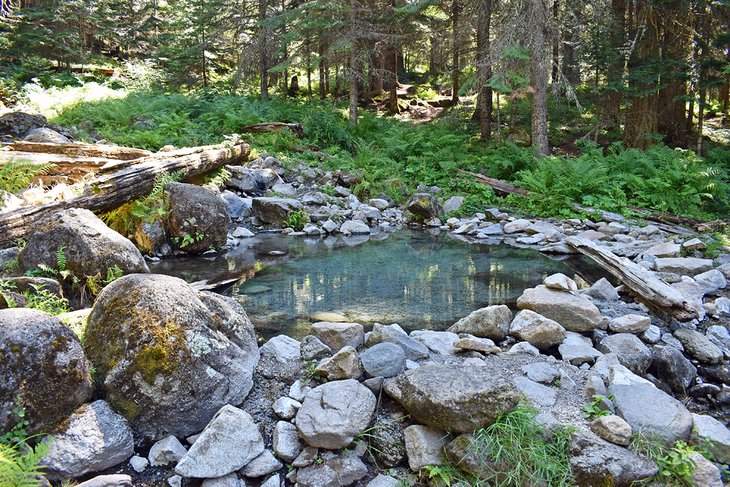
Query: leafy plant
[(17, 174), (592, 410), (44, 300), (21, 465), (187, 239), (297, 220), (675, 464)]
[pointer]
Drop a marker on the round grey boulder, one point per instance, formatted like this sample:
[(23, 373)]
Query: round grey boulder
[(198, 218), (89, 247), (43, 370), (334, 413), (383, 360), (169, 357)]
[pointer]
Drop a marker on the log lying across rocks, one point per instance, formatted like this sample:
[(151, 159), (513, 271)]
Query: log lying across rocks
[(81, 150), (125, 180), (296, 128), (651, 290)]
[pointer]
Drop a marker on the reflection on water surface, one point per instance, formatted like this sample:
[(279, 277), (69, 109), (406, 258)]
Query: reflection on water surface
[(410, 278)]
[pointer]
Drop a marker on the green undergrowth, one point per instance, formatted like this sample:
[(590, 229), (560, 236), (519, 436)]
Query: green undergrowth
[(393, 157), (674, 461), (514, 451)]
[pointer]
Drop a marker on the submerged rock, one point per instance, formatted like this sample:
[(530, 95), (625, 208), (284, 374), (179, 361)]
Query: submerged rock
[(150, 334)]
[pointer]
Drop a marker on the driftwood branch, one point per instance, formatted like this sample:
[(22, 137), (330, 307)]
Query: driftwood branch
[(651, 290), (296, 128), (110, 190)]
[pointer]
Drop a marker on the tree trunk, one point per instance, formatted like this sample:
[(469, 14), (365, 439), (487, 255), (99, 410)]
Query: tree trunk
[(263, 52), (615, 73), (484, 69), (539, 75), (354, 68), (555, 70), (642, 120), (673, 90), (455, 50), (323, 83)]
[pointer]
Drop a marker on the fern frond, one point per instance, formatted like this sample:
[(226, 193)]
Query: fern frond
[(17, 174)]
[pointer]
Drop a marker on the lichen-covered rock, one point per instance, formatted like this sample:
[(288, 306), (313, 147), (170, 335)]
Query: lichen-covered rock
[(43, 370), (169, 357), (453, 398), (20, 123), (95, 439), (198, 218), (47, 136), (425, 206), (573, 312), (274, 211), (89, 247), (333, 471), (338, 335), (423, 446), (630, 350)]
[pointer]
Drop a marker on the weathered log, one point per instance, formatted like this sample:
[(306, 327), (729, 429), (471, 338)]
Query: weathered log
[(111, 190), (296, 128), (81, 150), (650, 290)]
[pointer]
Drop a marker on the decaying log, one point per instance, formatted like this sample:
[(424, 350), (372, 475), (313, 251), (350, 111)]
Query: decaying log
[(81, 150), (296, 128), (663, 221), (651, 290), (108, 191)]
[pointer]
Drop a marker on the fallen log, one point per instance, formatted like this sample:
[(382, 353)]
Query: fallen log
[(81, 150), (109, 191), (650, 290), (661, 221), (296, 128)]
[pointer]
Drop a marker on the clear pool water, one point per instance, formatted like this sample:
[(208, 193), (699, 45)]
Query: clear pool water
[(411, 278)]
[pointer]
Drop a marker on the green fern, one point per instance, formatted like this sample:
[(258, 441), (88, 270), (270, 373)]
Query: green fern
[(17, 174), (20, 465), (61, 259)]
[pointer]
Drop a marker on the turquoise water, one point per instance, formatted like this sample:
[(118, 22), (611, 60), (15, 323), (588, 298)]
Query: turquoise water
[(411, 278)]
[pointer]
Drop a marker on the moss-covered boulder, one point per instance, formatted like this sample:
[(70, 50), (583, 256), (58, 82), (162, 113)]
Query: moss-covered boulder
[(198, 218), (425, 206), (169, 357), (78, 241), (43, 370)]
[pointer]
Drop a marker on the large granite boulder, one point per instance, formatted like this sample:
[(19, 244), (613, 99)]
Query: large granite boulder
[(87, 244), (573, 312), (647, 408), (453, 398), (490, 322), (229, 442), (43, 370), (274, 211), (95, 438), (169, 357), (198, 218), (334, 413)]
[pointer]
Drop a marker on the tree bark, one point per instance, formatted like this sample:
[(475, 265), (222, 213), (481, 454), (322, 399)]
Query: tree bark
[(538, 73), (642, 120), (615, 73), (673, 90), (555, 69), (455, 50), (354, 68), (484, 69)]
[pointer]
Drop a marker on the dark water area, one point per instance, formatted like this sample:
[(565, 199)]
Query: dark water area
[(412, 278)]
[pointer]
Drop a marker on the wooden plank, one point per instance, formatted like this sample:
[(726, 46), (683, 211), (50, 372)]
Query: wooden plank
[(651, 290)]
